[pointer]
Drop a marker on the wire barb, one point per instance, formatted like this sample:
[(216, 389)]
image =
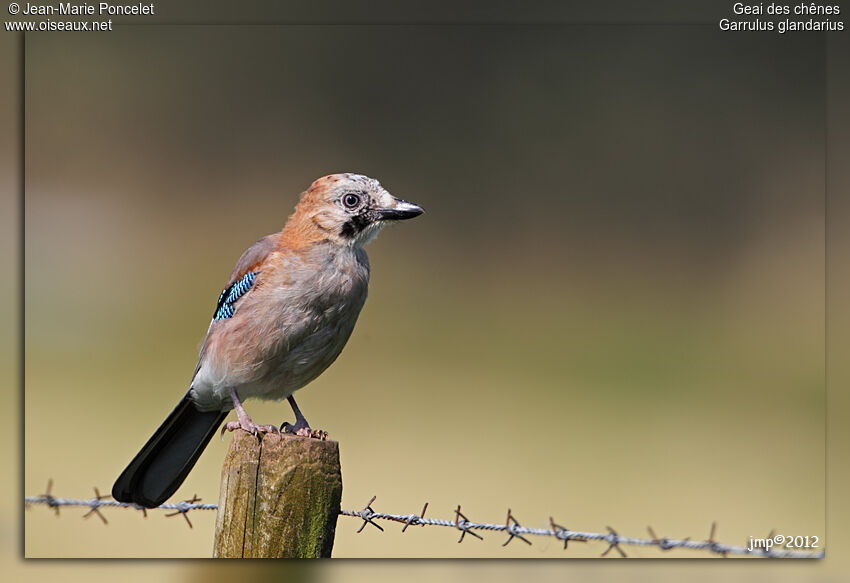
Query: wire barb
[(367, 514), (48, 497), (415, 519), (713, 545), (95, 506), (513, 530), (663, 543), (184, 508), (613, 540), (564, 534), (464, 525)]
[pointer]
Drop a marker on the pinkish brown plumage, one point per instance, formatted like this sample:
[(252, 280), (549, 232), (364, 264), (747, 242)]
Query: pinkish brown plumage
[(287, 311)]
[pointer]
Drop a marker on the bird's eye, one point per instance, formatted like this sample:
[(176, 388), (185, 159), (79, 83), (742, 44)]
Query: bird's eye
[(350, 200)]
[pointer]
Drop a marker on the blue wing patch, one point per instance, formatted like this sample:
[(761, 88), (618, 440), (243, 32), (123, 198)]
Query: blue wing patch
[(224, 308)]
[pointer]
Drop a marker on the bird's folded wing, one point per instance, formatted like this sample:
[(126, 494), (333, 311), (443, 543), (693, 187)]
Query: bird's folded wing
[(242, 280)]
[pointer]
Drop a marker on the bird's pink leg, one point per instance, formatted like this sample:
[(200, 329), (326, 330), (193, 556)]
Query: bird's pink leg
[(244, 422)]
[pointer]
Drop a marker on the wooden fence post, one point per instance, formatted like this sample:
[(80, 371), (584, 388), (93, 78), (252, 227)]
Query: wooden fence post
[(280, 497)]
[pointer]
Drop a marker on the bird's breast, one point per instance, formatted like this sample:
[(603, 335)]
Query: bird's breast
[(286, 332)]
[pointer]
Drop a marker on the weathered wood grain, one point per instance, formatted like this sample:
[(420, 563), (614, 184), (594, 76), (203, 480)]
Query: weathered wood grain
[(279, 497)]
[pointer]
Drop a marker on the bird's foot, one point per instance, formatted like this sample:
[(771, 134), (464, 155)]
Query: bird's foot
[(250, 427), (244, 422), (303, 430)]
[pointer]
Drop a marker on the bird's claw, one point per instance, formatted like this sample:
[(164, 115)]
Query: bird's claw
[(249, 427), (313, 433), (304, 430)]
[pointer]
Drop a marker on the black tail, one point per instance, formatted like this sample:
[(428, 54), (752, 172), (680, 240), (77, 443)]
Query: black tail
[(168, 456)]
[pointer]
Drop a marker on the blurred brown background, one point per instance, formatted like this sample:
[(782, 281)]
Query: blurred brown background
[(613, 311)]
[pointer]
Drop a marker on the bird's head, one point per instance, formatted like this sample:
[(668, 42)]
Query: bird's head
[(347, 209)]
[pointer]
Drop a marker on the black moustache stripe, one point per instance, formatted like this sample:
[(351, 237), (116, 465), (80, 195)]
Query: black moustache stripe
[(355, 225)]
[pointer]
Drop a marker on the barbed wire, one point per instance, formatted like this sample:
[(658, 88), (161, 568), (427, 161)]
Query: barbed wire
[(615, 540), (103, 501), (465, 526)]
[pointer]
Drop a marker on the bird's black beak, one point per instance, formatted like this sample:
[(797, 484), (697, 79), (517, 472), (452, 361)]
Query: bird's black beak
[(399, 211)]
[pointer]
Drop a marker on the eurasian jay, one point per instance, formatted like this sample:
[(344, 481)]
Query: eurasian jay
[(284, 316)]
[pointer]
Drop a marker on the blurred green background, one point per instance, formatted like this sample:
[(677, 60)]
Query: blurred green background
[(612, 313)]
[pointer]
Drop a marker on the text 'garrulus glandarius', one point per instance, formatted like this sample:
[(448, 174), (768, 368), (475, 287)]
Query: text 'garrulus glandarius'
[(283, 318)]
